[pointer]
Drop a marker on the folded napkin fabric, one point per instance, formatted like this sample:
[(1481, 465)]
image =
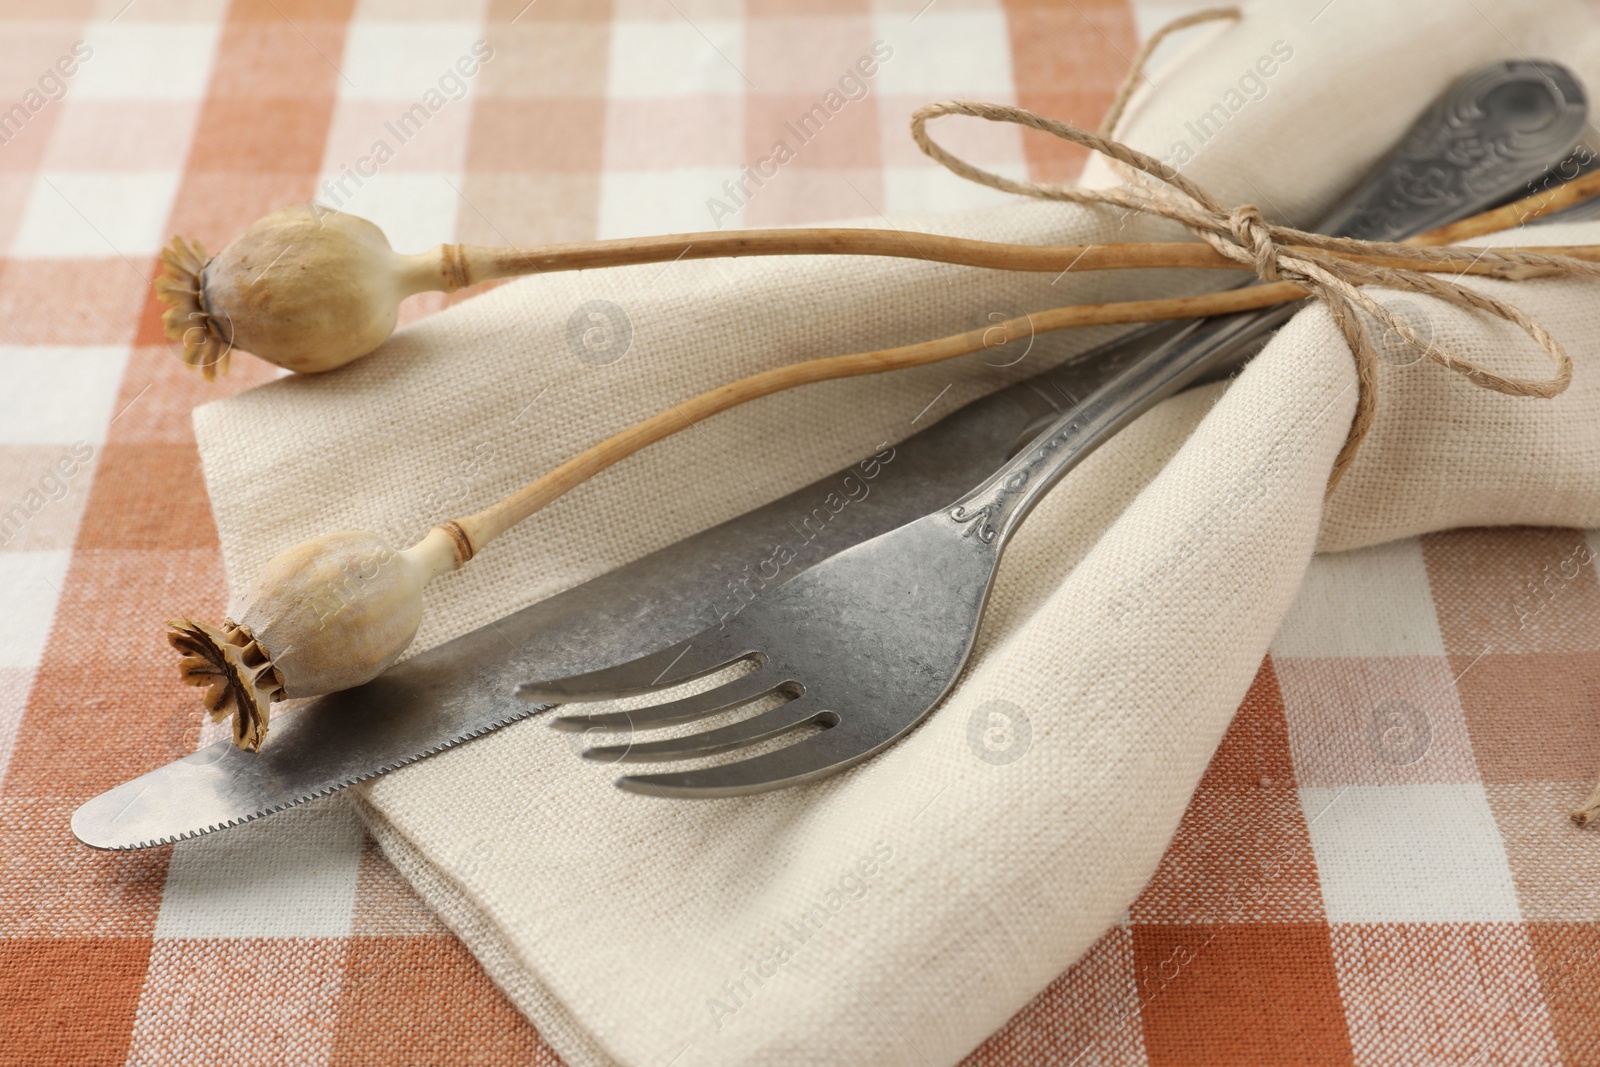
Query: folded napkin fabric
[(899, 913)]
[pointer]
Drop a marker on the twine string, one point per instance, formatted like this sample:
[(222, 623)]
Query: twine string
[(1131, 80), (1321, 264)]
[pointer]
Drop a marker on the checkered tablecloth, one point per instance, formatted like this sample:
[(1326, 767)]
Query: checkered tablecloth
[(1376, 869)]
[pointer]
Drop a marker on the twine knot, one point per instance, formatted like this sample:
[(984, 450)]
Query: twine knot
[(1251, 231)]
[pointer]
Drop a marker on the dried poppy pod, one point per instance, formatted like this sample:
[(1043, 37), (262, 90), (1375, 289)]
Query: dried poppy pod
[(306, 288), (325, 615)]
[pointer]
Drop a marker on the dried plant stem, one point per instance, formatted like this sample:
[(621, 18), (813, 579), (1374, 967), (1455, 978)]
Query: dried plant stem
[(476, 263), (1589, 253), (463, 265), (1516, 213), (483, 526)]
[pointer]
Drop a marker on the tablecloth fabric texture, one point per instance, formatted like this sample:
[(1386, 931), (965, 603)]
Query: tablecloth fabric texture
[(1374, 869), (1127, 625)]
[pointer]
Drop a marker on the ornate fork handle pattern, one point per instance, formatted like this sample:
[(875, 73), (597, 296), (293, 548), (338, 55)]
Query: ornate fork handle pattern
[(992, 511)]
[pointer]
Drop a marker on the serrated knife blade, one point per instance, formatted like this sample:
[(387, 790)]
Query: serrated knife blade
[(465, 687)]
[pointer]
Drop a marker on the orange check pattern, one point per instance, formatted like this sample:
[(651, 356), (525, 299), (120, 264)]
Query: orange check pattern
[(1375, 870)]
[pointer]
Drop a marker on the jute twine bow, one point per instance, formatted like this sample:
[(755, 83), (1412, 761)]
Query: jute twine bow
[(1319, 263)]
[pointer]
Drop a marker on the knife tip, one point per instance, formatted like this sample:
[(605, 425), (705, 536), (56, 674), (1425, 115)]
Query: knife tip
[(90, 826)]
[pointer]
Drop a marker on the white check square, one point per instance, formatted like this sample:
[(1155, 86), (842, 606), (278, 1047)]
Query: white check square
[(945, 54), (932, 190), (30, 585), (156, 60), (291, 875), (416, 211), (637, 203), (36, 377), (678, 57), (403, 60), (1410, 853), (80, 215)]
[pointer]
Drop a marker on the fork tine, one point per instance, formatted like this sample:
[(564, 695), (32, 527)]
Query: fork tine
[(816, 756), (780, 720), (742, 690), (683, 662)]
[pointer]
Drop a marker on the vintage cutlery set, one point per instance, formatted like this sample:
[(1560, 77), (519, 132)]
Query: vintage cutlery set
[(884, 602)]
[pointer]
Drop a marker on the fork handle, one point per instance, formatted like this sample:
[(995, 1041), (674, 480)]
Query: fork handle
[(992, 511)]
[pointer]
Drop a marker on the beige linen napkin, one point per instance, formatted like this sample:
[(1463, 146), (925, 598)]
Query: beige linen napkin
[(899, 913)]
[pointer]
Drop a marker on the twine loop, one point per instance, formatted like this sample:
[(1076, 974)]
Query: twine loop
[(1332, 269)]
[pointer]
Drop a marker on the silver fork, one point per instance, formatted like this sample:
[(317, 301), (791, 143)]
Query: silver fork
[(866, 643)]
